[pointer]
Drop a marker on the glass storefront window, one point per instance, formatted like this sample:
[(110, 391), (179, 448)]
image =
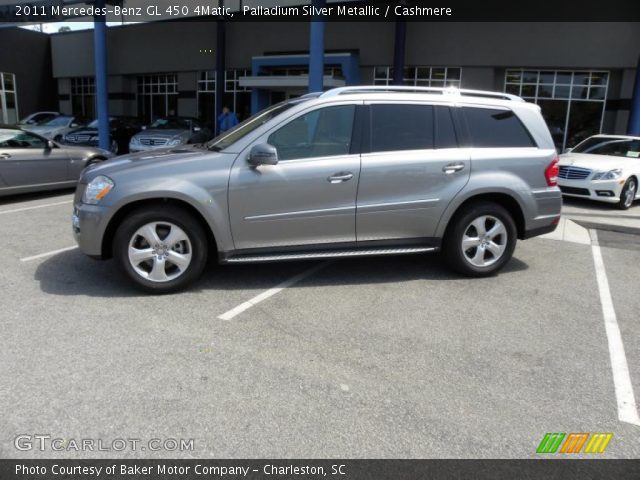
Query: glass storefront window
[(157, 96), (420, 76), (8, 99), (235, 97), (83, 97), (572, 102)]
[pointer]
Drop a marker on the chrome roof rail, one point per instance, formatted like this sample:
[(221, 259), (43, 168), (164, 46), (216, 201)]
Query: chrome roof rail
[(407, 89)]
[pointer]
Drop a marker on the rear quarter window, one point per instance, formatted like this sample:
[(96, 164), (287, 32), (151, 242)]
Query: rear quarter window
[(493, 128)]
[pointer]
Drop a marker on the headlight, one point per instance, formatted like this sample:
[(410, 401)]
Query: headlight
[(173, 143), (97, 189), (134, 141), (610, 175)]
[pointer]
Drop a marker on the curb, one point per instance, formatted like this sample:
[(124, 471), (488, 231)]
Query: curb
[(608, 227)]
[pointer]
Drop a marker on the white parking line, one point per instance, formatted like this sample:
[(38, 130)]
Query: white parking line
[(48, 254), (627, 410), (270, 293), (24, 209)]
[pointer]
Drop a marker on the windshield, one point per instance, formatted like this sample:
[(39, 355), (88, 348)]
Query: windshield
[(617, 147), (172, 124), (250, 124), (60, 121), (38, 118)]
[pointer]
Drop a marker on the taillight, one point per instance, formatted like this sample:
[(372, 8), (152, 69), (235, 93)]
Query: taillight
[(552, 171)]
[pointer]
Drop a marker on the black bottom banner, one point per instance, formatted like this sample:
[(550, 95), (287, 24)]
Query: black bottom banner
[(319, 469)]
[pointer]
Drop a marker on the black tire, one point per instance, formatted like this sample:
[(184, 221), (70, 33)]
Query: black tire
[(631, 184), (461, 224), (163, 215)]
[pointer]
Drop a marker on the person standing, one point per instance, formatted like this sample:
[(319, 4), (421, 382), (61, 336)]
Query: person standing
[(226, 120)]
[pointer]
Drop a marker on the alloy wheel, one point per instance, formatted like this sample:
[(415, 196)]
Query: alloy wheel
[(630, 193), (160, 251), (484, 241)]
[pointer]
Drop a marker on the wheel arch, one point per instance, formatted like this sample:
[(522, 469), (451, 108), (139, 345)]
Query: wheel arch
[(505, 200), (94, 158), (116, 220)]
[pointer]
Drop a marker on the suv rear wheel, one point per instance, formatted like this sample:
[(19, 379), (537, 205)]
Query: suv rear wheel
[(161, 249), (481, 239)]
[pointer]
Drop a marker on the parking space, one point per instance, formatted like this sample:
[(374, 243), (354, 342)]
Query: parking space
[(602, 215), (370, 357)]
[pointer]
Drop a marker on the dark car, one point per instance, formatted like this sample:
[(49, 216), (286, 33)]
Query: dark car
[(121, 130)]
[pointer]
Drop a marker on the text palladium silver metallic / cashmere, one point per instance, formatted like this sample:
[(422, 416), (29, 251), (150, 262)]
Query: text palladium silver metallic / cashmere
[(352, 171)]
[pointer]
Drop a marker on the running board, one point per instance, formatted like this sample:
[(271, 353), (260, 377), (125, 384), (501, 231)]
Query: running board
[(327, 254)]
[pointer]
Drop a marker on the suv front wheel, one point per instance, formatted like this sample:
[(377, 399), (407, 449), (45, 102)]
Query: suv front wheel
[(162, 249), (481, 239)]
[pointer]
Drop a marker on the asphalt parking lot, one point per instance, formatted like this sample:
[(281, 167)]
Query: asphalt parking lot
[(366, 358)]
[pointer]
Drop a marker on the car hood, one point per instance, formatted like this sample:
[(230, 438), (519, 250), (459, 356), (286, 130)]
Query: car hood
[(42, 129), (46, 131), (152, 159), (596, 162), (83, 130), (162, 133)]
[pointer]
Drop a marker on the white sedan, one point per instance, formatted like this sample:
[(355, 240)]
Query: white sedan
[(604, 168), (56, 127)]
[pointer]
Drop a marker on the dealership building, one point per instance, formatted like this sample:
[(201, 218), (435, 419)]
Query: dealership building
[(581, 74)]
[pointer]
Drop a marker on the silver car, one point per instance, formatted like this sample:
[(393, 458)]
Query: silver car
[(29, 162), (56, 127), (169, 132), (349, 172)]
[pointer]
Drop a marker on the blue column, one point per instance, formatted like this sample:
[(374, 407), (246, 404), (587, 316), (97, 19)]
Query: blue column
[(634, 114), (220, 66), (102, 89), (398, 51), (316, 50)]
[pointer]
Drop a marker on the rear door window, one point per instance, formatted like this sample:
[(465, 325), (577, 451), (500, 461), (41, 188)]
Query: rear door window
[(401, 127), (493, 128)]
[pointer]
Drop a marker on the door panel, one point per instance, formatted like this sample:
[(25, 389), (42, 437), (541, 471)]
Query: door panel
[(309, 196), (293, 203), (412, 173), (403, 194)]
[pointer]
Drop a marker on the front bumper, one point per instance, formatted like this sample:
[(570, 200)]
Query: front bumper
[(89, 223), (599, 190)]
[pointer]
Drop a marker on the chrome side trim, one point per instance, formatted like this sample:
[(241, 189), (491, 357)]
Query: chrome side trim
[(393, 205), (300, 213), (328, 254)]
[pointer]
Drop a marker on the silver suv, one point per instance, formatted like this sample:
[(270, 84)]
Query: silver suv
[(352, 171)]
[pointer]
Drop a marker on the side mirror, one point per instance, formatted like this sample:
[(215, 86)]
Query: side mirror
[(50, 145), (144, 127), (263, 154)]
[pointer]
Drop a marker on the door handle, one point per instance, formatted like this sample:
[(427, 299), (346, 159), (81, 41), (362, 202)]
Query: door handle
[(340, 177), (452, 168)]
